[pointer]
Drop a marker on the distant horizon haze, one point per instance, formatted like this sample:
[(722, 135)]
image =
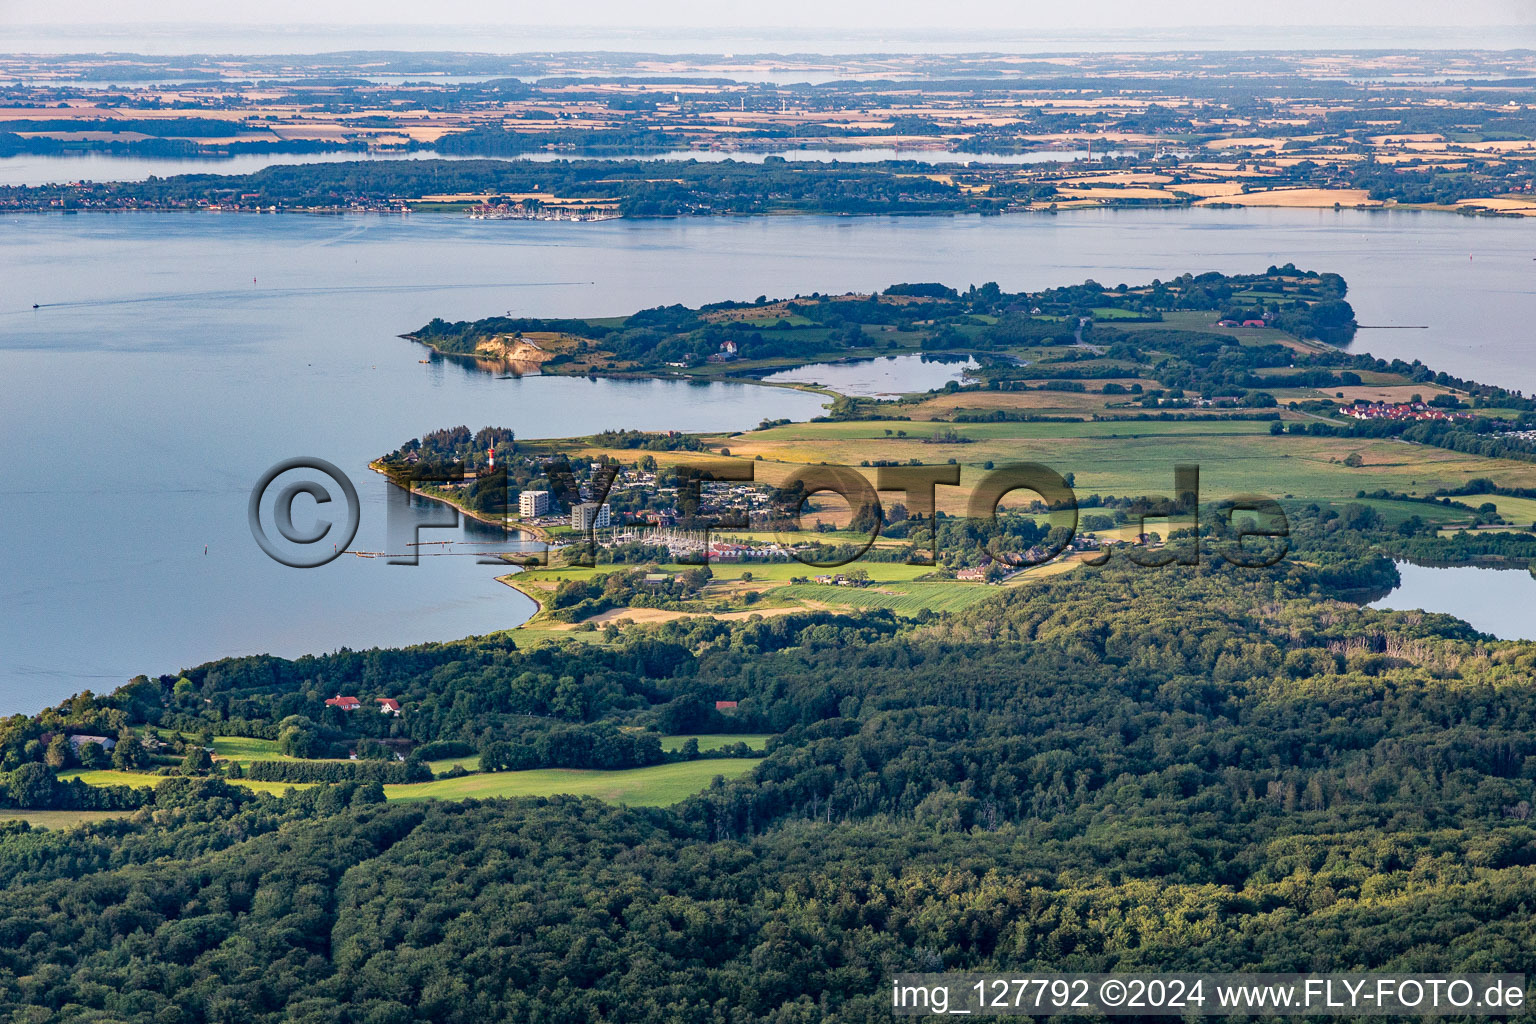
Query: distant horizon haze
[(878, 15), (168, 27)]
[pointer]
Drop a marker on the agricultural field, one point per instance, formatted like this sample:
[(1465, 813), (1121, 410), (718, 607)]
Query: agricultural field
[(880, 573), (470, 763), (654, 786), (1134, 458), (1520, 511), (907, 599), (246, 748), (1396, 512), (59, 819), (717, 740), (141, 780)]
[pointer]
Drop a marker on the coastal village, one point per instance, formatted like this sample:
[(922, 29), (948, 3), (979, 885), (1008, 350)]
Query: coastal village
[(537, 209), (1365, 410), (642, 514)]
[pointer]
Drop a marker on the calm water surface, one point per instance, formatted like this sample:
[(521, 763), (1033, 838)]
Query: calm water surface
[(173, 357), (1497, 601), (885, 377)]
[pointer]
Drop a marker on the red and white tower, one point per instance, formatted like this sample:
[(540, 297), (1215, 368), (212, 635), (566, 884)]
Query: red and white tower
[(492, 454)]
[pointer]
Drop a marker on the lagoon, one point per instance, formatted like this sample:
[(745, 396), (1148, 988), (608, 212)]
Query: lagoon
[(884, 377)]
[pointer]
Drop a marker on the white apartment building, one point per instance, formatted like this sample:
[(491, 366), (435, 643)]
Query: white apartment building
[(589, 515)]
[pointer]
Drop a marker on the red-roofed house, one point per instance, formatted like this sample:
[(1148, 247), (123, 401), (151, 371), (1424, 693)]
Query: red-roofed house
[(725, 705), (388, 705), (345, 703)]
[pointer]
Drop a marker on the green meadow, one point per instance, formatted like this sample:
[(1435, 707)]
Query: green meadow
[(59, 819), (246, 748), (1134, 458), (140, 780), (714, 741), (907, 599), (655, 786)]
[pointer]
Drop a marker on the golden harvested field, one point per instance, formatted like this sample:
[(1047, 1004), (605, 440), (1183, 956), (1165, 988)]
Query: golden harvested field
[(1247, 142), (1499, 147), (1523, 205), (1079, 192), (1208, 189), (1298, 197), (1119, 178), (1388, 393), (653, 786)]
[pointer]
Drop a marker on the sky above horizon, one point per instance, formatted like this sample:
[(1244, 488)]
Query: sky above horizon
[(825, 27), (955, 15)]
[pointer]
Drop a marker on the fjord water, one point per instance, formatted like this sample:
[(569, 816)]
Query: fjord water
[(174, 357)]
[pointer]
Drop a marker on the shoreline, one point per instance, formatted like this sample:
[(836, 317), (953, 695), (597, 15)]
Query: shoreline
[(406, 208), (538, 606), (506, 579), (744, 378), (533, 531)]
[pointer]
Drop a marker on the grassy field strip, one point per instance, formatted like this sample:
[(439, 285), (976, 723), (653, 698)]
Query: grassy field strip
[(909, 599), (246, 748), (1520, 511), (1394, 512), (139, 780), (59, 819), (783, 572), (714, 741), (655, 786), (470, 763)]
